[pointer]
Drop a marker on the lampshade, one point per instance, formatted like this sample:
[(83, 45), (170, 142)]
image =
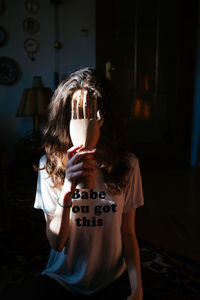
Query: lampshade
[(35, 100)]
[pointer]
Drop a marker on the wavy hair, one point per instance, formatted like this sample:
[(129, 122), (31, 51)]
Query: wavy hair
[(111, 154)]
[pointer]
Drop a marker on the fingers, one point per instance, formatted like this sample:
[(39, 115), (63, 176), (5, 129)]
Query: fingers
[(89, 105), (73, 176), (80, 155), (84, 105), (94, 106), (77, 166), (79, 102), (84, 165), (76, 105), (73, 108), (72, 151), (100, 118), (80, 169)]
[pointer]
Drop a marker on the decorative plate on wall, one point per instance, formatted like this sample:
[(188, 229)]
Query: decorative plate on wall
[(32, 6), (9, 71), (31, 26), (3, 36)]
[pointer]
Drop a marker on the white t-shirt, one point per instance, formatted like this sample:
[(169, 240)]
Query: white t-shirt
[(92, 256)]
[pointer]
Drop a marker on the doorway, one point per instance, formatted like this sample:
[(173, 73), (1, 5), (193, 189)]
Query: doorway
[(147, 50)]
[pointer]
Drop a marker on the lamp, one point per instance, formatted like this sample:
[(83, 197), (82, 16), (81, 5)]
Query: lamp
[(34, 102)]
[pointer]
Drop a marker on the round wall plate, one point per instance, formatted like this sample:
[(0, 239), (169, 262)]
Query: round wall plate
[(31, 26), (32, 6), (9, 71)]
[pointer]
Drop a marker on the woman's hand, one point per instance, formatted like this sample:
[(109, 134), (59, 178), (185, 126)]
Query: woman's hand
[(76, 165)]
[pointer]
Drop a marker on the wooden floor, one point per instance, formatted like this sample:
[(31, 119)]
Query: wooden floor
[(171, 214)]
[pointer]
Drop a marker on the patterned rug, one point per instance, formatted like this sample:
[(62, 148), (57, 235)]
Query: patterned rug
[(24, 252), (167, 275)]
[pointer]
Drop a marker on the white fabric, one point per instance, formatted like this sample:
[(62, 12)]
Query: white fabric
[(92, 256)]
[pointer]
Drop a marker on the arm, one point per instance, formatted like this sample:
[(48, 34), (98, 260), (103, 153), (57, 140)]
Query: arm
[(58, 225), (131, 254)]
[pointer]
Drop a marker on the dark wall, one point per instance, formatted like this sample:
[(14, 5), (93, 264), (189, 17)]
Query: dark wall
[(151, 47)]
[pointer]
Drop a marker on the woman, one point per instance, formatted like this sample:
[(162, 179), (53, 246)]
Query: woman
[(95, 253)]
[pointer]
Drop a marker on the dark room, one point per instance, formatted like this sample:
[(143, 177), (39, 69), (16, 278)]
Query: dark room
[(100, 115)]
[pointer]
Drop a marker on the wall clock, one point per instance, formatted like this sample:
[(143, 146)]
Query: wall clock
[(31, 46), (3, 36), (31, 26), (32, 6), (9, 71)]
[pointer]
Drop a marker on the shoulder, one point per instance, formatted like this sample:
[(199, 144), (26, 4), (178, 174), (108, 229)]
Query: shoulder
[(132, 160), (42, 161), (133, 167), (42, 167), (45, 177)]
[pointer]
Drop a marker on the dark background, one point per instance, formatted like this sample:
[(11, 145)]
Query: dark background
[(152, 41), (149, 49)]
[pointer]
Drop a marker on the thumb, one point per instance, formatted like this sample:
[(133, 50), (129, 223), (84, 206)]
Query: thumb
[(100, 118)]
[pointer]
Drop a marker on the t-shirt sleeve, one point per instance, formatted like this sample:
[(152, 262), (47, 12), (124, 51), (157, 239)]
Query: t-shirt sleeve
[(133, 192), (46, 196)]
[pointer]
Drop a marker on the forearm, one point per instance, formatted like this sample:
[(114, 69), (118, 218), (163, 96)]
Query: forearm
[(58, 228), (132, 258)]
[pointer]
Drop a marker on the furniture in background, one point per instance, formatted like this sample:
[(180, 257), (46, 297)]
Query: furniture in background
[(34, 102)]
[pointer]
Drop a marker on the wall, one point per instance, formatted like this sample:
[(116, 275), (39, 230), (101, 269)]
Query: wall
[(77, 35)]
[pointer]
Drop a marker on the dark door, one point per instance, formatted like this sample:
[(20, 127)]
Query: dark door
[(147, 49)]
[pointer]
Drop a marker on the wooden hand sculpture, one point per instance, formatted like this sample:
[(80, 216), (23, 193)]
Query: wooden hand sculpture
[(84, 128)]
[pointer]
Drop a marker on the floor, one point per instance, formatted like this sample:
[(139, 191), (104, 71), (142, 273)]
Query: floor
[(171, 214)]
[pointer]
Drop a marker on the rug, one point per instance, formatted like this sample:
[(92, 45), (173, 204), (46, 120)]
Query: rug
[(167, 275)]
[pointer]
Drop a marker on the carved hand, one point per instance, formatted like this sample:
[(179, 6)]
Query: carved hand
[(85, 125)]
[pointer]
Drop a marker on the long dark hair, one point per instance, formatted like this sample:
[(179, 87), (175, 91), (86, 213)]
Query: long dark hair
[(111, 155)]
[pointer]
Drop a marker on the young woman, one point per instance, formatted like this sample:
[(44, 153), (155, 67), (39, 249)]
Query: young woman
[(95, 252)]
